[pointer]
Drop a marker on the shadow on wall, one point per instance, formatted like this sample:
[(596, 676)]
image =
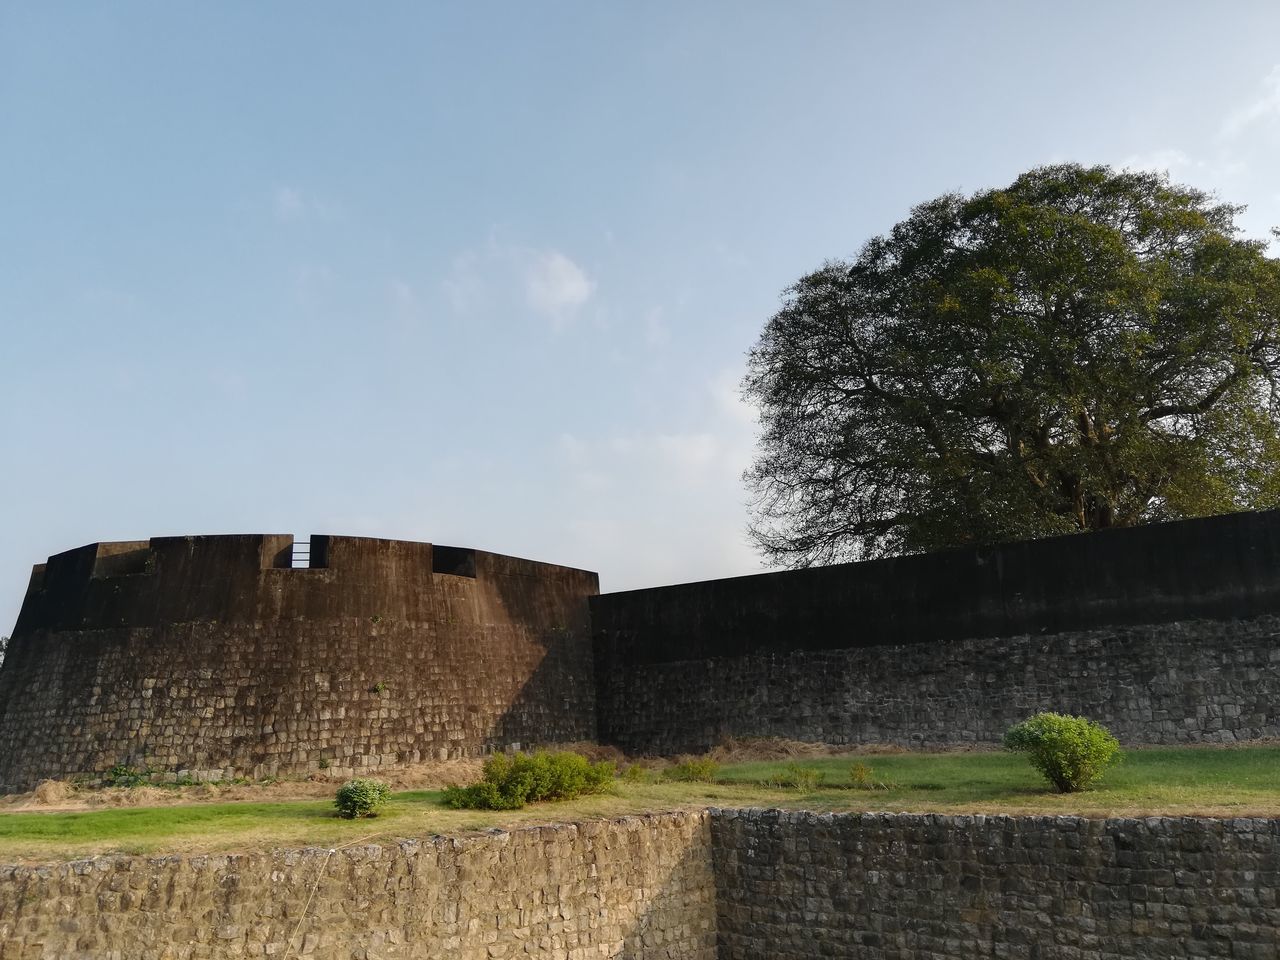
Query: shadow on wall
[(559, 693)]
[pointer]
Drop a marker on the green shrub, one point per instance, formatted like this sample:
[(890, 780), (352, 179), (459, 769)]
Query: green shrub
[(361, 797), (694, 770), (635, 773), (862, 777), (509, 782), (1071, 752), (122, 775), (795, 776)]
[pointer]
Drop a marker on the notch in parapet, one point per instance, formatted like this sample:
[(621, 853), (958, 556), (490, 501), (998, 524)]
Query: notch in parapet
[(310, 554), (453, 561), (124, 558)]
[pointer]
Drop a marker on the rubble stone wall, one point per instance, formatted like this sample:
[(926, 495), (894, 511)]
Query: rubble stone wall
[(639, 888), (1203, 681), (693, 885), (796, 886)]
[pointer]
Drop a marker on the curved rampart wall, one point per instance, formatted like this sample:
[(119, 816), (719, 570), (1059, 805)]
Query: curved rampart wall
[(213, 657)]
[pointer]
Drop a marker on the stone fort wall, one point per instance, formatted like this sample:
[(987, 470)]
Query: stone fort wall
[(694, 885), (792, 886), (639, 888), (215, 657), (1168, 634)]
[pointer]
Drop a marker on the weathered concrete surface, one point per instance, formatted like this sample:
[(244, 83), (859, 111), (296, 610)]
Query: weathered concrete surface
[(209, 656), (639, 888), (1198, 682), (795, 886)]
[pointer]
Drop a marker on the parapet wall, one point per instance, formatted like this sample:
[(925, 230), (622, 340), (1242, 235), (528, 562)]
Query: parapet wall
[(1168, 633), (213, 657), (695, 885)]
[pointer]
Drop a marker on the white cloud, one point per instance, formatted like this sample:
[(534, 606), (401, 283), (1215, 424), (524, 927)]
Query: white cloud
[(288, 204), (312, 284), (555, 286), (291, 205), (544, 280), (406, 305), (666, 505), (656, 331), (1266, 106), (463, 287), (1227, 162), (1169, 160), (726, 391)]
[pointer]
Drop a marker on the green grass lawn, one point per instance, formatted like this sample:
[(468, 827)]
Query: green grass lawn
[(1178, 781)]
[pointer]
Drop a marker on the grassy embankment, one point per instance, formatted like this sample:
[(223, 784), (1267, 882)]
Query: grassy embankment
[(1185, 781)]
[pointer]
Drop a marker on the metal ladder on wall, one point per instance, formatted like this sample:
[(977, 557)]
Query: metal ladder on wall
[(300, 554)]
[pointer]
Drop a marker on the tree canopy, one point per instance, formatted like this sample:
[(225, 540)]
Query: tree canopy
[(1083, 349)]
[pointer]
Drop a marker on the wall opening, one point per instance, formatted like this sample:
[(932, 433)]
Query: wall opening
[(312, 554), (453, 561), (129, 561)]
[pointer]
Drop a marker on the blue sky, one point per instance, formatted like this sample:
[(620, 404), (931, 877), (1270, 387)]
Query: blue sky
[(486, 274)]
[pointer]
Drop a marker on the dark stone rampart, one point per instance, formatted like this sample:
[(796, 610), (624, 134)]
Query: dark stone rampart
[(1168, 633), (1216, 568), (215, 657)]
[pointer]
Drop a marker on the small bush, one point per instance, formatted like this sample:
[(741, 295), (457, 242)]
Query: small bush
[(1071, 752), (635, 773), (694, 770), (794, 776), (122, 775), (510, 782), (862, 777), (361, 797)]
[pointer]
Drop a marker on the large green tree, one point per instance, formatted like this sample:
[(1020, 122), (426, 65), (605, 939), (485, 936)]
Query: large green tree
[(1082, 349)]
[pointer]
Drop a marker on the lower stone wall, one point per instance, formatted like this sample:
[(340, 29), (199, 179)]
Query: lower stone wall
[(732, 884), (892, 887), (637, 887), (1190, 682)]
